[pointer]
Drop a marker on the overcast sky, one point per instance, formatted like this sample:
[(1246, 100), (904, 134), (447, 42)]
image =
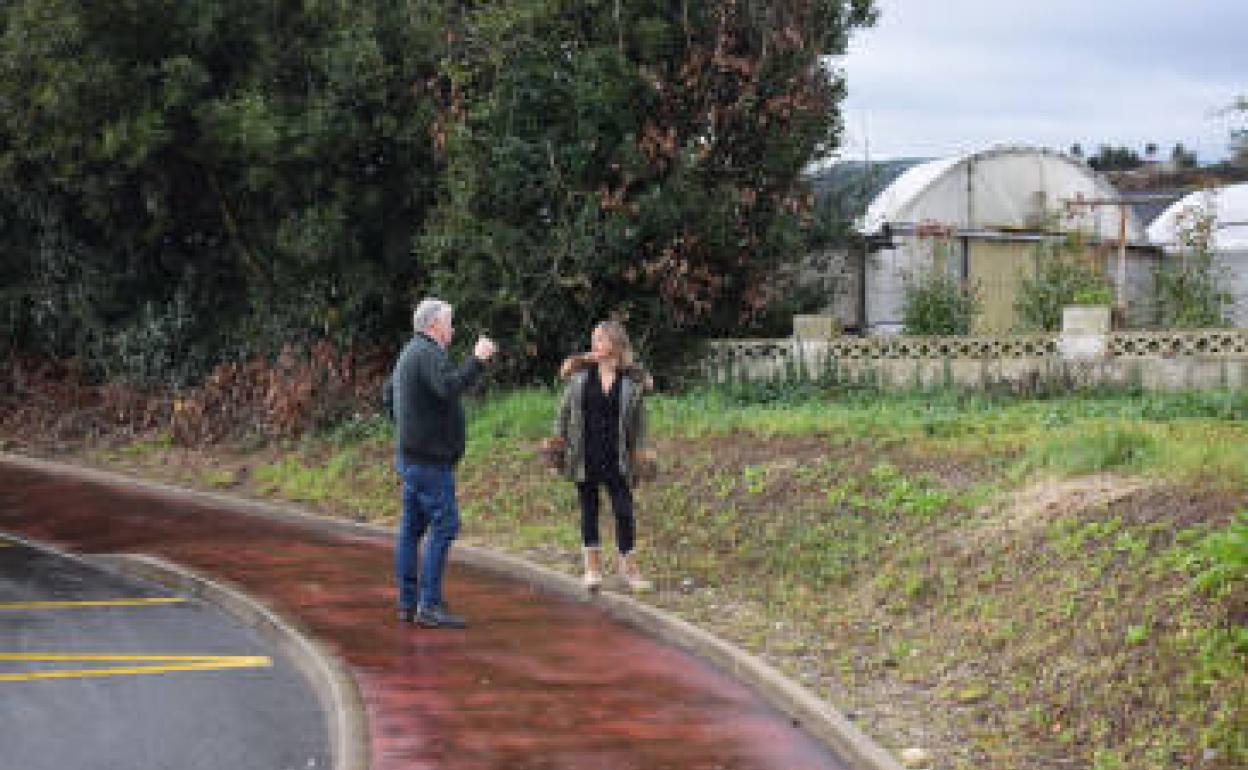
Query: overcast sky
[(939, 77)]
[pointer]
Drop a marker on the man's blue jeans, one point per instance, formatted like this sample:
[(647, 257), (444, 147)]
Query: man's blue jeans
[(429, 506)]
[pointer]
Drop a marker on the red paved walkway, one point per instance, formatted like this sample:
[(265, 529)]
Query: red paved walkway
[(536, 683)]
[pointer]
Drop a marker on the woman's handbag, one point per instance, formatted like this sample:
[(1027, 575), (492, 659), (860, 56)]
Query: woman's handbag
[(645, 464), (551, 450)]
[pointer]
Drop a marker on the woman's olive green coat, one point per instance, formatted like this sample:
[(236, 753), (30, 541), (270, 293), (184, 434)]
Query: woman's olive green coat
[(570, 419)]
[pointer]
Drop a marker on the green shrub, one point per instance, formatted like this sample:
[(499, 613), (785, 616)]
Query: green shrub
[(1094, 295), (938, 304), (1189, 286), (1061, 280), (1190, 294)]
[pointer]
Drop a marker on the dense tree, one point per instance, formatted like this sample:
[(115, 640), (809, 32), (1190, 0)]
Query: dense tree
[(640, 159), (186, 182), (1109, 158), (179, 179), (1182, 158)]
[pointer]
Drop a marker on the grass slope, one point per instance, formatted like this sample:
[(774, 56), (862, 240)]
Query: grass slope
[(1006, 583)]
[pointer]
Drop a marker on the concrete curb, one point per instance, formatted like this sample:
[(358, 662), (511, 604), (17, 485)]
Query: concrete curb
[(333, 685), (802, 706)]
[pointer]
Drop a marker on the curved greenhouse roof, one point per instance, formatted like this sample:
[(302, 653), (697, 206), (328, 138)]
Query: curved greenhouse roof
[(1007, 187), (1229, 207), (894, 199)]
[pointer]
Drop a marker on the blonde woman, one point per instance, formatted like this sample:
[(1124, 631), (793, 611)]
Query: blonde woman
[(602, 427)]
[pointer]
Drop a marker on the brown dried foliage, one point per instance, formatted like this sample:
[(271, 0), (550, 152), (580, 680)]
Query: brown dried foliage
[(46, 403), (299, 392)]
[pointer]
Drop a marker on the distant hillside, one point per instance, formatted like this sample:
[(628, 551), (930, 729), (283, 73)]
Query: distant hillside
[(1161, 179), (858, 182), (845, 189)]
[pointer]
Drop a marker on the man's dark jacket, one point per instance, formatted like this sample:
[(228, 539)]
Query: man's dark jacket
[(423, 393)]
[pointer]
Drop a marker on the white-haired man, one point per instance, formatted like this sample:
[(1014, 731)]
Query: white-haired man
[(425, 390)]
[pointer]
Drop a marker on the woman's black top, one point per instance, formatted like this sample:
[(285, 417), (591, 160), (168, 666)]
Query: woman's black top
[(602, 427)]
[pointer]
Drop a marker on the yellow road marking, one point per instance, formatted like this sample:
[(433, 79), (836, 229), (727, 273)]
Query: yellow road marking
[(159, 664), (96, 603)]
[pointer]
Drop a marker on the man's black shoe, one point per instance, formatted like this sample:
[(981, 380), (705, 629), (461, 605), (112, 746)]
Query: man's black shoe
[(438, 617), (408, 614)]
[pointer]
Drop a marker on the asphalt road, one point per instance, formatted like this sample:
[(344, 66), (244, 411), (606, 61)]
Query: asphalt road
[(109, 673)]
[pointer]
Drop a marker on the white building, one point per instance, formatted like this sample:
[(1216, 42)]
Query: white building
[(983, 218), (1227, 210)]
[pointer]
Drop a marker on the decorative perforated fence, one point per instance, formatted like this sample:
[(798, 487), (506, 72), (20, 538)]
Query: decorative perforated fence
[(1215, 342), (1152, 360)]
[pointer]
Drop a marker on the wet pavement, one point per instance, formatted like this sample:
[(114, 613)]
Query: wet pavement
[(99, 671), (535, 683)]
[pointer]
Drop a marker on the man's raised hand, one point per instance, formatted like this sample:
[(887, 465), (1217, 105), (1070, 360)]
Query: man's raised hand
[(485, 348)]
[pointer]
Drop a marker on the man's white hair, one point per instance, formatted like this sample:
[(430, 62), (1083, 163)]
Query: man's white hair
[(428, 311)]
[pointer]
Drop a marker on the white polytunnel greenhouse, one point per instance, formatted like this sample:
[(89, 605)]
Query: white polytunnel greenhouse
[(1225, 211), (986, 218)]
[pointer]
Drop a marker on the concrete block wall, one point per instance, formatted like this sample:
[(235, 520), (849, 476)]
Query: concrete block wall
[(1162, 361)]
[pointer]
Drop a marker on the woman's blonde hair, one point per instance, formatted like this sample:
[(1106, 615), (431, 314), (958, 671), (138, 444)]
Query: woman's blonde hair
[(620, 345)]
